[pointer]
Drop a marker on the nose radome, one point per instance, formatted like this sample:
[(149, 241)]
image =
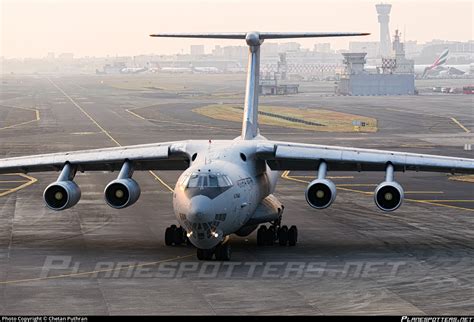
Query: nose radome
[(200, 209)]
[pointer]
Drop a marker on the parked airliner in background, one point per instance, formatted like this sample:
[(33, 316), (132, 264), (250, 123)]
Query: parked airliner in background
[(439, 68), (133, 70), (227, 185)]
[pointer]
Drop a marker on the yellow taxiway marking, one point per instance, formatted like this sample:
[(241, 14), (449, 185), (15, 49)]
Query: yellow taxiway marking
[(285, 175), (442, 200), (102, 129), (329, 177), (435, 115), (93, 272), (12, 181), (37, 117), (356, 185), (425, 192), (460, 125), (30, 181)]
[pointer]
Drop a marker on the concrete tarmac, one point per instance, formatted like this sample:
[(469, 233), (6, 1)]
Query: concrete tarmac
[(350, 259)]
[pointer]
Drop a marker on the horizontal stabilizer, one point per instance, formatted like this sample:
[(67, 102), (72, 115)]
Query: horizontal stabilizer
[(262, 35)]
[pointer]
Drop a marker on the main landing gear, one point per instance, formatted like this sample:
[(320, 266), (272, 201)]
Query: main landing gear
[(277, 233)]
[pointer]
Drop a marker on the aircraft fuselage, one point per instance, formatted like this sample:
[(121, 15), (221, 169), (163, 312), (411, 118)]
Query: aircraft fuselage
[(221, 190)]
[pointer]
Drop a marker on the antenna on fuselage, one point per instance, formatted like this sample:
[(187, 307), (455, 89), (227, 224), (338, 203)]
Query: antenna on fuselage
[(254, 39)]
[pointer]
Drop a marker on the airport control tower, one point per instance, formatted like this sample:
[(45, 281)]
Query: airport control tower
[(383, 10)]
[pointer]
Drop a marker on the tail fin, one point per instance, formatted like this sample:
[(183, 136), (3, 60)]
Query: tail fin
[(441, 60), (254, 40)]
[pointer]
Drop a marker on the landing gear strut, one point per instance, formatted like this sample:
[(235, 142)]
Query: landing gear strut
[(277, 233)]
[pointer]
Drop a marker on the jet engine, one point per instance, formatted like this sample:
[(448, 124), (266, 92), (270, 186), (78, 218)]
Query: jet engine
[(389, 194), (64, 193), (124, 191), (321, 192)]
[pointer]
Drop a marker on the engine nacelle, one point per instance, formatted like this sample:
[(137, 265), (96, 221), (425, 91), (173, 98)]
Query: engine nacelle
[(122, 193), (320, 193), (388, 195), (62, 195)]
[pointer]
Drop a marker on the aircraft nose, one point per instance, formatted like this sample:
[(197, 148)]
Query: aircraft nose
[(199, 210), (201, 217)]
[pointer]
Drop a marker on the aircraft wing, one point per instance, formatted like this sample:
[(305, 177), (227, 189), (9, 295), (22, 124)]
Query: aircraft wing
[(296, 156), (156, 156)]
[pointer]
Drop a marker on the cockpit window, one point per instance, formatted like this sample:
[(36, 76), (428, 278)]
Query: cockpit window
[(193, 181), (213, 182), (204, 180)]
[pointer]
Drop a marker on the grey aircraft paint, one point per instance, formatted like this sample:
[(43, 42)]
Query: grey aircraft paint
[(249, 166)]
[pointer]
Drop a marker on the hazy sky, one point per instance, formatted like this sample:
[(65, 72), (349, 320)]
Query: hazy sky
[(32, 28)]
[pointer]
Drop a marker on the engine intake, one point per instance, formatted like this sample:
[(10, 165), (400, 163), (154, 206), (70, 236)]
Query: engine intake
[(389, 196), (124, 191), (62, 195), (320, 193)]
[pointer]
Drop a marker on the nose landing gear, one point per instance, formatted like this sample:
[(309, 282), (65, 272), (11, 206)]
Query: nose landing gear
[(222, 252)]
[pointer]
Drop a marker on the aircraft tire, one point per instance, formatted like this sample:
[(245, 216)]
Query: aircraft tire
[(283, 236), (261, 232), (223, 252), (204, 254), (169, 235), (292, 236)]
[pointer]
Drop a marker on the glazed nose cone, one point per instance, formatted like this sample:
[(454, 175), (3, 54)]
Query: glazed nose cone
[(200, 210)]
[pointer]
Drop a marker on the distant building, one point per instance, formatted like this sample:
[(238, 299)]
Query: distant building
[(235, 52), (383, 10), (322, 48), (403, 65), (372, 48), (459, 52), (114, 68), (412, 48), (197, 50), (289, 46), (66, 56), (357, 81), (272, 87), (270, 49)]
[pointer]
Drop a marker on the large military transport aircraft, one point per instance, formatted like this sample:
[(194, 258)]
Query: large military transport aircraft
[(227, 185)]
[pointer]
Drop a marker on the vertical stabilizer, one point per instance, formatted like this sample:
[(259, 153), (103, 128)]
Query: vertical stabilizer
[(254, 40), (250, 119)]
